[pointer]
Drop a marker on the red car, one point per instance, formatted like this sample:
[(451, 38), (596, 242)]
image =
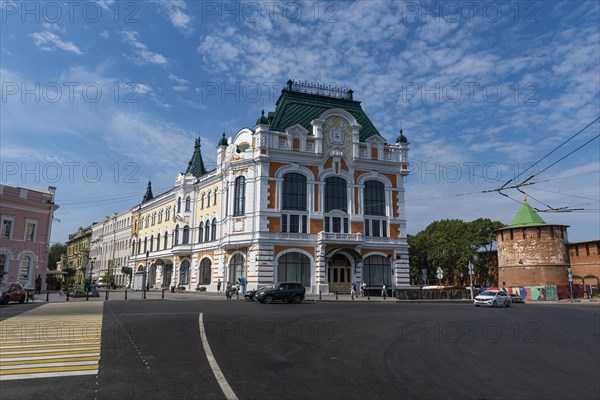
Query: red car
[(14, 292)]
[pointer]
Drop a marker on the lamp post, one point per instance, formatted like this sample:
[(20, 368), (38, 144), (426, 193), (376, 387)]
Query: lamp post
[(144, 276), (91, 272)]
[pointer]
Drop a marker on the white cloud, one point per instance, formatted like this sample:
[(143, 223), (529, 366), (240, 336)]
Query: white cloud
[(141, 53), (180, 88), (48, 41), (175, 10), (177, 79), (104, 34)]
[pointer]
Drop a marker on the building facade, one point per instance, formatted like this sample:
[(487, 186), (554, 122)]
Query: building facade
[(312, 193), (78, 254), (26, 221), (110, 247), (584, 258)]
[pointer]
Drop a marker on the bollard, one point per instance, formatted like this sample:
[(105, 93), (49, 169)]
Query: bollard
[(369, 296), (67, 294), (106, 298), (162, 296), (144, 294), (87, 296), (336, 295), (47, 296), (125, 294), (319, 294)]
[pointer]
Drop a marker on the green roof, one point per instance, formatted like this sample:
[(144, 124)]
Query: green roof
[(196, 165), (526, 216), (294, 107)]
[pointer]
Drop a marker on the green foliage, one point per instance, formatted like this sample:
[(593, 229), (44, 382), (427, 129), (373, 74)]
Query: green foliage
[(56, 251), (450, 244)]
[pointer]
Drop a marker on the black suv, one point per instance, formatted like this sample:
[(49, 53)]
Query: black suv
[(284, 291)]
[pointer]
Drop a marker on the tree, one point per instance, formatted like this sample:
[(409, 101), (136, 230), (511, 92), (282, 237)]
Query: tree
[(450, 244), (56, 251)]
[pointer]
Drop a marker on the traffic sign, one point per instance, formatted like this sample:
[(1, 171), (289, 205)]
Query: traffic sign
[(440, 273), (470, 268)]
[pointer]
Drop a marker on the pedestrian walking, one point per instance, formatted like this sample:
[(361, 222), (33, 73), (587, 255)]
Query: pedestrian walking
[(383, 291), (38, 284), (237, 290), (219, 286), (353, 290), (363, 288), (228, 291)]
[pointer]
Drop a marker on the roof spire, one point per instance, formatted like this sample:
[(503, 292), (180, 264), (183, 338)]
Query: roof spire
[(223, 141), (196, 165), (148, 196)]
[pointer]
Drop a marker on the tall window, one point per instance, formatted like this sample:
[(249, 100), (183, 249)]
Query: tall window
[(336, 195), (158, 242), (6, 229), (168, 214), (374, 198), (208, 199), (185, 273), (140, 246), (25, 268), (152, 243), (213, 231), (166, 240), (30, 231), (207, 231), (205, 270), (215, 198), (294, 267), (294, 192), (2, 267), (133, 247), (179, 204), (236, 268), (187, 203), (239, 198), (145, 244), (377, 271), (201, 232), (186, 234), (152, 275), (176, 235)]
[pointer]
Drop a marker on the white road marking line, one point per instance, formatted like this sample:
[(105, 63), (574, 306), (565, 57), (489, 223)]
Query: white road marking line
[(227, 390), (46, 375), (57, 344), (60, 364), (6, 353), (44, 357)]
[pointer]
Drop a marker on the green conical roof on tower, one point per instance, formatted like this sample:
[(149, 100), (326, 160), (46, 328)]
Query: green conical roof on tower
[(526, 216), (196, 165), (148, 196)]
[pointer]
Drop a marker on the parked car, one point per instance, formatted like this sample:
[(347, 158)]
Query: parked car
[(13, 292), (250, 295), (493, 298), (291, 292), (515, 298)]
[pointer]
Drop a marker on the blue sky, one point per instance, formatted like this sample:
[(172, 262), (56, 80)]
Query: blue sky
[(99, 97)]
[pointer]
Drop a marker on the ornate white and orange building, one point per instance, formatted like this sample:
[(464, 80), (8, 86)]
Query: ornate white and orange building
[(311, 193)]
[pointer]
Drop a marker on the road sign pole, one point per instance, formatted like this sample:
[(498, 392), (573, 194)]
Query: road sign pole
[(471, 279)]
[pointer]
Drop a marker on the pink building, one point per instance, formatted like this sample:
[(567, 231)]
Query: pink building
[(25, 221)]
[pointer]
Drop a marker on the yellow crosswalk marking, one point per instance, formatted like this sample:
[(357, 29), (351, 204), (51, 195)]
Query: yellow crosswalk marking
[(52, 340)]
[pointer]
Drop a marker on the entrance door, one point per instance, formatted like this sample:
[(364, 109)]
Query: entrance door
[(339, 275)]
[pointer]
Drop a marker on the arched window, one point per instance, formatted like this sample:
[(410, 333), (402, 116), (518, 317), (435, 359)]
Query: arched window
[(158, 242), (24, 269), (336, 195), (294, 192), (186, 234), (179, 204), (2, 267), (145, 244), (214, 230), (374, 198), (176, 235), (377, 271), (201, 232), (168, 214), (160, 214), (187, 203), (166, 240), (215, 198), (133, 247), (208, 199), (207, 231), (236, 268), (185, 273), (153, 218), (152, 275), (205, 272), (152, 243), (294, 267), (202, 201), (140, 246), (239, 197)]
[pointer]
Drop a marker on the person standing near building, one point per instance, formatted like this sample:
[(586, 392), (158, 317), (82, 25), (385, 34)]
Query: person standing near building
[(383, 291), (219, 286), (353, 290), (38, 284)]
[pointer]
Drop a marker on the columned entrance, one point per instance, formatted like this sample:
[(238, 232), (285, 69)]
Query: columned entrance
[(339, 274)]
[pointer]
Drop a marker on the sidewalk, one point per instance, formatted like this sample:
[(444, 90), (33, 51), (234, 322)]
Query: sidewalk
[(157, 294)]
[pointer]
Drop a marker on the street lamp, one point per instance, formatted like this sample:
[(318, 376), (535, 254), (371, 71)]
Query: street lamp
[(91, 272), (144, 276)]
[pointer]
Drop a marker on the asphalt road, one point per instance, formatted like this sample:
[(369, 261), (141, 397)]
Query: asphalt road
[(152, 350)]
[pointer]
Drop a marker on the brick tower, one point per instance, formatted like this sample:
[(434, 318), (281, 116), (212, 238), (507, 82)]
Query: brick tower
[(532, 252)]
